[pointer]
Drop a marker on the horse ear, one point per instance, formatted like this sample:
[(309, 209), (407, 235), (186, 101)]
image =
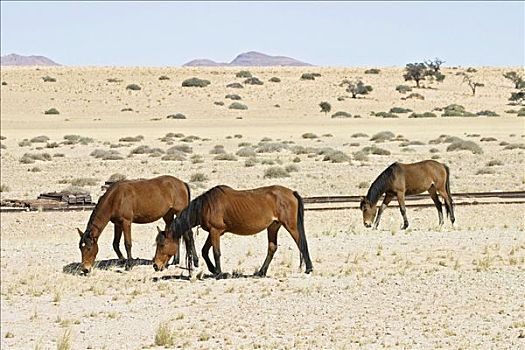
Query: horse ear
[(80, 232)]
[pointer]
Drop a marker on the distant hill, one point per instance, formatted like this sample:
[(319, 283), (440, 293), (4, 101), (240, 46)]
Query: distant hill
[(250, 59), (19, 60)]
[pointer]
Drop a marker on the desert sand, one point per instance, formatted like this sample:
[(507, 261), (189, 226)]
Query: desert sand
[(426, 287)]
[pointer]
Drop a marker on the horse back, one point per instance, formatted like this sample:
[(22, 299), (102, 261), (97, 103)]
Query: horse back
[(419, 177)]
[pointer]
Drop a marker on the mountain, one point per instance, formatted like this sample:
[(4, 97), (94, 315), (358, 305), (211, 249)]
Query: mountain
[(19, 60), (250, 59)]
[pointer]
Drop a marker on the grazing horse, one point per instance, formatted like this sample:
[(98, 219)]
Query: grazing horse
[(407, 179), (223, 209), (132, 201)]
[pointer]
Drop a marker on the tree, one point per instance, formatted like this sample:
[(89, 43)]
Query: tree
[(416, 72), (471, 83), (356, 87), (434, 65), (517, 97), (516, 79), (325, 107)]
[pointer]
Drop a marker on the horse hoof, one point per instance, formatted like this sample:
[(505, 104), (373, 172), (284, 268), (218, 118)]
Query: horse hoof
[(309, 270)]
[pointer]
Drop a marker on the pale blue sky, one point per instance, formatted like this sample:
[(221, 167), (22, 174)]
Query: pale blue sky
[(321, 33)]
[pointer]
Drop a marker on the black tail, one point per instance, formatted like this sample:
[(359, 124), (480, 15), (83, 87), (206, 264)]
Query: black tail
[(189, 192), (188, 238), (303, 245), (450, 209)]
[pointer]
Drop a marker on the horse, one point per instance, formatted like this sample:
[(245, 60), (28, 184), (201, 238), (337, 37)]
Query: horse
[(132, 201), (241, 212), (407, 179)]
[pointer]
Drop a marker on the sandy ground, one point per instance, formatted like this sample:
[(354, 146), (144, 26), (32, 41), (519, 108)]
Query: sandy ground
[(455, 287)]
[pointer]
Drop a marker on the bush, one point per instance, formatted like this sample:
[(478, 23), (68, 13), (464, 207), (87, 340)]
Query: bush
[(336, 157), (218, 103), (126, 110), (309, 135), (291, 168), (494, 162), (48, 79), (246, 152), (253, 81), (488, 139), (403, 89), (423, 115), (383, 136), (40, 139), (488, 113), (29, 158), (356, 87), (195, 82), (106, 155), (512, 146), (359, 134), (133, 87), (307, 76), (52, 111), (163, 77), (114, 80), (235, 86), (233, 97), (198, 177), (386, 115), (400, 110), (455, 110), (325, 107), (137, 138), (270, 147), (372, 71), (238, 105), (218, 149), (250, 162), (24, 143), (517, 97), (176, 116), (515, 78), (360, 156), (225, 156), (176, 156), (275, 172), (179, 148), (275, 80), (375, 150), (416, 96), (243, 74), (143, 149), (341, 114), (462, 145), (485, 171), (164, 335), (75, 139)]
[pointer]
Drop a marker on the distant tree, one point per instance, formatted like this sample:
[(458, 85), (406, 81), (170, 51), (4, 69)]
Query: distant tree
[(517, 97), (356, 87), (416, 72), (434, 65), (515, 78), (471, 83), (325, 107)]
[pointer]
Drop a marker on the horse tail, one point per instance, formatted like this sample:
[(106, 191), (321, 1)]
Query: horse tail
[(303, 245), (447, 188), (189, 192), (189, 244)]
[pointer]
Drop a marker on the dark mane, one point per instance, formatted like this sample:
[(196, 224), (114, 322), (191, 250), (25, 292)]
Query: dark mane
[(101, 200), (191, 216), (379, 186)]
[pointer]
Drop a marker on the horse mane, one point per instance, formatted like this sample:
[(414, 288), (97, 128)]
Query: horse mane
[(380, 184), (101, 200), (191, 216)]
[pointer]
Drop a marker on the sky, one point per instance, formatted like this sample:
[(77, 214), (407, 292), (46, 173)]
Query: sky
[(321, 33)]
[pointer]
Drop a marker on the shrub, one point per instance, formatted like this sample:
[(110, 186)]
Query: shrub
[(164, 77), (196, 158), (485, 171), (360, 156), (52, 111), (4, 83), (164, 335), (403, 89), (372, 71), (253, 81), (325, 107), (495, 162), (275, 80), (250, 162), (291, 168), (336, 157), (416, 96), (341, 114), (179, 148), (141, 150), (471, 70), (423, 115), (137, 138), (114, 80), (233, 97), (517, 97), (386, 115), (400, 110), (238, 105), (356, 87), (246, 152), (455, 110), (176, 116), (126, 110), (488, 113), (225, 156), (243, 74), (133, 87), (270, 147), (307, 76), (195, 82), (218, 103), (235, 86), (40, 139), (48, 79), (198, 177), (512, 146), (218, 149), (488, 139), (515, 78), (275, 172), (309, 135), (359, 134), (375, 150), (176, 156), (383, 136), (462, 145)]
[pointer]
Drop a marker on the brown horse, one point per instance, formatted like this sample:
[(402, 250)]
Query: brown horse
[(406, 179), (132, 201), (223, 209)]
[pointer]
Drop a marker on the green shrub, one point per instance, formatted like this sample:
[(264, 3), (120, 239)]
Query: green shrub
[(164, 335), (179, 148), (238, 105), (325, 107), (375, 150), (416, 96), (235, 86), (360, 156), (270, 147), (52, 111), (195, 82), (126, 110), (137, 138), (250, 162), (359, 134), (175, 156), (246, 152), (253, 81), (336, 157), (84, 181), (114, 80), (133, 87), (176, 116), (218, 103), (275, 172), (495, 162), (383, 136), (455, 110), (400, 110), (512, 146), (233, 97), (243, 74), (341, 114), (40, 139), (356, 87), (218, 149), (373, 71), (164, 77), (48, 79), (307, 76), (225, 156), (485, 171), (116, 177), (275, 80), (386, 115), (462, 145), (488, 113), (106, 155), (309, 135), (403, 89), (423, 115)]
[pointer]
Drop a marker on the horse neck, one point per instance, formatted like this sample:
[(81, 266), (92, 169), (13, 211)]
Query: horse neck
[(99, 219), (378, 187)]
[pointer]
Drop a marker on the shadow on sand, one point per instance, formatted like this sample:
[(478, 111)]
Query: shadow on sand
[(74, 268), (204, 276)]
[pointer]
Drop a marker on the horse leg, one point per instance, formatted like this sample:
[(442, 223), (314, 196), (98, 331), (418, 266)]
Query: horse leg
[(116, 241), (126, 226), (168, 219), (205, 250), (272, 247), (401, 201), (437, 202), (388, 198), (216, 244), (448, 204)]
